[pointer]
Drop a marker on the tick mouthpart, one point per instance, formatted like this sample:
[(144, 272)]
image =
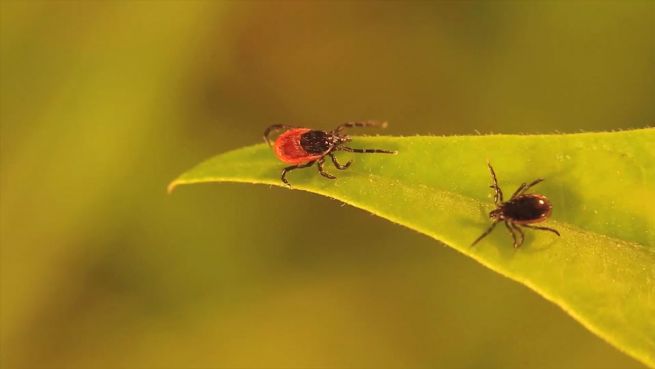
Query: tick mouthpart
[(496, 214)]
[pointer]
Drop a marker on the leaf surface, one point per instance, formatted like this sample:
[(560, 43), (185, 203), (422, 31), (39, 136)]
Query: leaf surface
[(602, 186)]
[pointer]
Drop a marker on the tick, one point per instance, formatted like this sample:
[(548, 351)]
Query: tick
[(304, 147), (521, 210)]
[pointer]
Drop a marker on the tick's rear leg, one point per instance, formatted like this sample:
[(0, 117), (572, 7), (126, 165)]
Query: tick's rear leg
[(541, 228), (336, 163), (325, 174), (283, 177)]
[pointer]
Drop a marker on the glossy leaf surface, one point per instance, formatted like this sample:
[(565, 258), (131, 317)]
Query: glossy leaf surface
[(602, 186)]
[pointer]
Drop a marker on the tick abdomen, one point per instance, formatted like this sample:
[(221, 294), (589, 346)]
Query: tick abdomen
[(289, 148), (525, 209)]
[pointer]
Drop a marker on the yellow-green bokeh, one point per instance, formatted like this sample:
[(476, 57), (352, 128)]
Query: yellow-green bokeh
[(103, 103)]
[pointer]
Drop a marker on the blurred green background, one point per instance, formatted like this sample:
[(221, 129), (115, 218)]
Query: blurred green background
[(103, 103)]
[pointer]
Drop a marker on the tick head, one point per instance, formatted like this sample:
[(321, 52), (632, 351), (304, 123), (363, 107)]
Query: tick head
[(497, 214), (338, 139)]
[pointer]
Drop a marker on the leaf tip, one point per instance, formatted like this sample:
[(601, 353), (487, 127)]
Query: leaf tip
[(171, 186)]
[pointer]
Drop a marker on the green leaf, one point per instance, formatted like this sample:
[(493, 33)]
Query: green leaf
[(602, 186)]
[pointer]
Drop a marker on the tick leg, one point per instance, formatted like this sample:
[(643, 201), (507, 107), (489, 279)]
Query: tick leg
[(524, 187), (541, 228), (498, 195), (520, 232), (364, 123), (336, 163), (325, 174), (283, 177), (527, 187), (491, 228), (367, 151), (509, 228), (518, 190), (274, 128)]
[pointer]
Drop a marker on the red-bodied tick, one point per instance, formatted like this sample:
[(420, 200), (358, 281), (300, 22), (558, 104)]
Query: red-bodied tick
[(302, 147), (521, 210)]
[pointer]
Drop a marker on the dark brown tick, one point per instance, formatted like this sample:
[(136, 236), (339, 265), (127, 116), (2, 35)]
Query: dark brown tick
[(521, 210)]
